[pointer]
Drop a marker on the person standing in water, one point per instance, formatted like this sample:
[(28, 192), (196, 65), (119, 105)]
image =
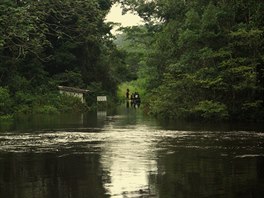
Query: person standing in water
[(127, 98), (127, 94)]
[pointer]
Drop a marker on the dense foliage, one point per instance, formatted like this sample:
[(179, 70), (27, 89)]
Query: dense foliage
[(48, 43), (195, 59), (207, 60), (134, 42)]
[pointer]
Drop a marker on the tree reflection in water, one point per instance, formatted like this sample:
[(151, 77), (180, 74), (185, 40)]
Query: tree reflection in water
[(50, 175), (128, 155)]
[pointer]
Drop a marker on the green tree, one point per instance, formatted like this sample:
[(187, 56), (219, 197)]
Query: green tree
[(48, 43), (5, 101), (208, 57)]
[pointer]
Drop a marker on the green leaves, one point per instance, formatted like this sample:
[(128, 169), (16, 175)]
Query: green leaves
[(5, 101), (208, 57), (21, 31), (47, 43), (209, 109)]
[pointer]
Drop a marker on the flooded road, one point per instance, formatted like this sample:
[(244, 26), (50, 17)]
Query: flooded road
[(126, 154)]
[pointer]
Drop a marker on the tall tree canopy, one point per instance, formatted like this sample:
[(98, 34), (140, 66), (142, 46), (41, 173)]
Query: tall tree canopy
[(48, 43), (208, 57), (66, 40)]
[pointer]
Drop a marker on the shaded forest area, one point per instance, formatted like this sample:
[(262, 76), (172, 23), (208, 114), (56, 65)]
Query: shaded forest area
[(193, 59), (48, 43), (199, 59)]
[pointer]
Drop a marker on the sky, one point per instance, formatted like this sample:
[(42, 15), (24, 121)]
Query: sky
[(129, 19)]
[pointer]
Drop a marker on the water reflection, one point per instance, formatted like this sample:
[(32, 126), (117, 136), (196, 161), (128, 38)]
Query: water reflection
[(129, 159), (129, 155), (53, 122), (50, 175)]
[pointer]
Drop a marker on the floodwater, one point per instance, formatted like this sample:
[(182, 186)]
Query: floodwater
[(125, 154)]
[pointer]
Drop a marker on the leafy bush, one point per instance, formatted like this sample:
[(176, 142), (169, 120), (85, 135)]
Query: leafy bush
[(24, 98), (22, 109), (68, 103), (161, 103), (253, 110), (70, 78), (6, 117), (48, 103), (208, 109), (46, 109), (5, 101)]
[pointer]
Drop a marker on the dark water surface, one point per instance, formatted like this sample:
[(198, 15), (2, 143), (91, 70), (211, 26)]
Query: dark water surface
[(126, 154)]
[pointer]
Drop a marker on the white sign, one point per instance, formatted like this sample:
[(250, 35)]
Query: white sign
[(101, 99)]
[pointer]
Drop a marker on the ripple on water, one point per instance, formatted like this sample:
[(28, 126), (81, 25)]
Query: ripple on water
[(132, 155), (128, 139)]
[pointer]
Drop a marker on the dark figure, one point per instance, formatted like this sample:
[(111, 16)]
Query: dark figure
[(127, 94), (136, 100)]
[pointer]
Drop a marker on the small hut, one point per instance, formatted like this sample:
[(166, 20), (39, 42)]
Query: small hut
[(72, 91)]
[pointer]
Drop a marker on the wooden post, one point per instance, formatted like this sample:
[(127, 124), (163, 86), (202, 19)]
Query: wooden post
[(101, 101)]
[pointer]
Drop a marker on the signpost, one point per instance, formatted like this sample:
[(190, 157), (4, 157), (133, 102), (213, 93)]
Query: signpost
[(101, 99), (101, 102)]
